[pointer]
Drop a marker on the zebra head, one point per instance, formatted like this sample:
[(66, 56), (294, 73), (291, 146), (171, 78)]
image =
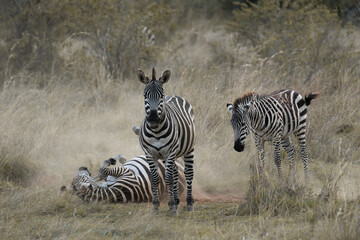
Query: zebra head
[(154, 97), (239, 125), (81, 180)]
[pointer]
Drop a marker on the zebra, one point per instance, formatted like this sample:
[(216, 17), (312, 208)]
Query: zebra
[(127, 183), (271, 118), (167, 132), (353, 12)]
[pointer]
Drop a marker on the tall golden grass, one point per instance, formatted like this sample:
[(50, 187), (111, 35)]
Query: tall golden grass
[(49, 130)]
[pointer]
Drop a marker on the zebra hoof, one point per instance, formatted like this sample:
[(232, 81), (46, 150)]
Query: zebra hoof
[(173, 212), (112, 161), (189, 208), (189, 204), (173, 209), (155, 211)]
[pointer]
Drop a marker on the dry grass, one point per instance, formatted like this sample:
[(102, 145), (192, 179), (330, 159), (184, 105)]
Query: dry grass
[(63, 216), (47, 132)]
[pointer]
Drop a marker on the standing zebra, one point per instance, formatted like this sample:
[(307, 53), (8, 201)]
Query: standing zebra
[(167, 132), (271, 118), (128, 183)]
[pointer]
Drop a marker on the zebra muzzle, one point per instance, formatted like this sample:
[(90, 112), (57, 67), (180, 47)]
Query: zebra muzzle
[(153, 115), (153, 118), (239, 146)]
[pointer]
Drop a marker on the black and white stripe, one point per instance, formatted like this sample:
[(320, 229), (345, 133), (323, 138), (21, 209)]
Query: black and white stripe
[(127, 183), (272, 118), (167, 132)]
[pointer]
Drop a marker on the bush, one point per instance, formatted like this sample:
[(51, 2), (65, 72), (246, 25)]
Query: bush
[(16, 168), (298, 38), (276, 199), (57, 36)]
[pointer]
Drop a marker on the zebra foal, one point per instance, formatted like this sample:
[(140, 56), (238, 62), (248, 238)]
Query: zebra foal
[(167, 132), (271, 118)]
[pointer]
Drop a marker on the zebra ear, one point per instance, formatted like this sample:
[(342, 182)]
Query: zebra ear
[(230, 107), (107, 163), (136, 130), (121, 159), (82, 169), (142, 77), (165, 77)]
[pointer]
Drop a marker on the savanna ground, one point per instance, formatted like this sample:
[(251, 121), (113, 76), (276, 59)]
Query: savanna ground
[(70, 98)]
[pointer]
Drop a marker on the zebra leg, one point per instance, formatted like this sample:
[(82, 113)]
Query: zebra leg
[(277, 157), (169, 180), (290, 151), (302, 144), (155, 179), (260, 165), (189, 175), (176, 184)]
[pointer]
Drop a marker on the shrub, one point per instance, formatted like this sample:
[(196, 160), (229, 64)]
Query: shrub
[(276, 199), (297, 38), (16, 168), (38, 36)]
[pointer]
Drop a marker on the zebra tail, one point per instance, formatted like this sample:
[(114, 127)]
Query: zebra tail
[(310, 97)]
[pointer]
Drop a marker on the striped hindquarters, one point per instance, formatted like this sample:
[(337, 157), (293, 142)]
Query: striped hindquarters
[(291, 107)]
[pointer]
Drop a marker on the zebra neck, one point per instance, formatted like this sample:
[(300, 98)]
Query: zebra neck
[(252, 119), (260, 118), (104, 191), (162, 126), (94, 184)]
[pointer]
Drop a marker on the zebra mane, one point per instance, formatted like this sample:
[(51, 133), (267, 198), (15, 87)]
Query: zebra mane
[(246, 98), (153, 74)]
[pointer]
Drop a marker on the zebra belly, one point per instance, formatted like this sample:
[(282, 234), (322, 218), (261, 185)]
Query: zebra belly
[(267, 137)]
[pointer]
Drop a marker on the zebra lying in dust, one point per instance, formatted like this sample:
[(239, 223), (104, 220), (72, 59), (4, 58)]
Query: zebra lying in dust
[(127, 183)]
